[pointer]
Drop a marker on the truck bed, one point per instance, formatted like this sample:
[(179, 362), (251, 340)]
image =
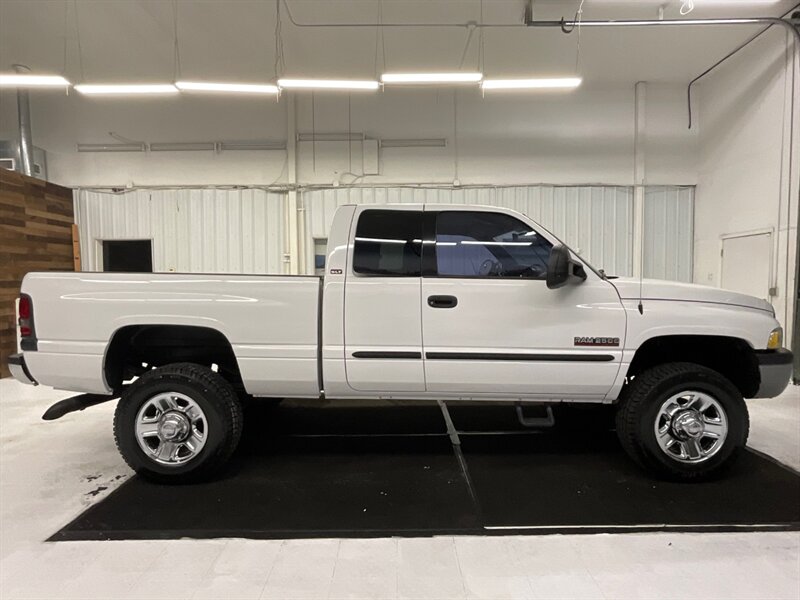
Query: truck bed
[(271, 322)]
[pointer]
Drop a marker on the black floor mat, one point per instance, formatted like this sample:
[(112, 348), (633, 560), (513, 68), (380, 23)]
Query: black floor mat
[(571, 481), (380, 471)]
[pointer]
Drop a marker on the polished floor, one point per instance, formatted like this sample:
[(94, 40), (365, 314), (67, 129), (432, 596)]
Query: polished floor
[(50, 472)]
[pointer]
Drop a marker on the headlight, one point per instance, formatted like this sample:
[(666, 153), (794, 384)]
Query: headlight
[(775, 340)]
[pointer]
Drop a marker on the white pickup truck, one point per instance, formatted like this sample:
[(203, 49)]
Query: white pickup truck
[(422, 302)]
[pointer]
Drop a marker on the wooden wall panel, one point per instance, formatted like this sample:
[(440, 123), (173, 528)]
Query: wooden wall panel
[(36, 220)]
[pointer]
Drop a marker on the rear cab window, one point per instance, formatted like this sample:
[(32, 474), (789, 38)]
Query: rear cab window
[(388, 243)]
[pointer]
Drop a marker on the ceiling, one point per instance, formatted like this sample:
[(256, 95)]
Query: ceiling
[(133, 40)]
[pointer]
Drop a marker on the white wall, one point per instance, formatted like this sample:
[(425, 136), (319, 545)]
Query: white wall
[(744, 172), (577, 137), (192, 230)]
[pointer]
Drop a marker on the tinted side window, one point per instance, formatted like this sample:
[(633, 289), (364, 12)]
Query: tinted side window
[(485, 244), (388, 242)]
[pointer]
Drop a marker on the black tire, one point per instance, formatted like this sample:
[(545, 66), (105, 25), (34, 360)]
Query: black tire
[(218, 401), (638, 410)]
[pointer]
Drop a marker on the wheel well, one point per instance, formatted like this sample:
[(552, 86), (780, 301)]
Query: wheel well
[(731, 357), (136, 349)]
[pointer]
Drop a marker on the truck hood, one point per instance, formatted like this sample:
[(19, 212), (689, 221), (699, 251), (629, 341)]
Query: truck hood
[(656, 289)]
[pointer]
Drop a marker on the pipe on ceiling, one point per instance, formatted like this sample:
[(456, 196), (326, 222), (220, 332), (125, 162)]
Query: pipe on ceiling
[(25, 133), (569, 26)]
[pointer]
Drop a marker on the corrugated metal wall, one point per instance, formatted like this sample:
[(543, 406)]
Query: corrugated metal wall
[(243, 230), (669, 232), (193, 230), (598, 220)]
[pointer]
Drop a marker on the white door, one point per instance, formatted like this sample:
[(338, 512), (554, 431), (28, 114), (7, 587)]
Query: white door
[(490, 323), (747, 263), (383, 321)]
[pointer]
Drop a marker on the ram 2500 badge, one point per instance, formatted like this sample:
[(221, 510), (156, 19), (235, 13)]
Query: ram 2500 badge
[(422, 302)]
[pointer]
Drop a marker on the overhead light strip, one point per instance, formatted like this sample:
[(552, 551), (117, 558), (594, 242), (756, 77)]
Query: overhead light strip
[(126, 89), (531, 84), (25, 80), (309, 84), (237, 88), (430, 78), (328, 84)]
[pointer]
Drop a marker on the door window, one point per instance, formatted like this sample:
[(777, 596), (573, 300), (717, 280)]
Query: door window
[(486, 244), (388, 243)]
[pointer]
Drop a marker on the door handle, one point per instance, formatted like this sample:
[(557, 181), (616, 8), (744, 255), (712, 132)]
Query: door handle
[(442, 301)]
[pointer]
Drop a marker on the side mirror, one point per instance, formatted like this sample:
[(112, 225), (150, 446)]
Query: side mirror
[(560, 266)]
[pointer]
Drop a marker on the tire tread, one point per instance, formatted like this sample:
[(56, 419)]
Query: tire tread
[(634, 400), (219, 392)]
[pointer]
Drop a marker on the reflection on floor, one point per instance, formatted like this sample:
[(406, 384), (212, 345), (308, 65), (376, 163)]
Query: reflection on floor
[(50, 472)]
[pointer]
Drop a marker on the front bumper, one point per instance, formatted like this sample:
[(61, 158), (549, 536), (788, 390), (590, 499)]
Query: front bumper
[(19, 370), (775, 367)]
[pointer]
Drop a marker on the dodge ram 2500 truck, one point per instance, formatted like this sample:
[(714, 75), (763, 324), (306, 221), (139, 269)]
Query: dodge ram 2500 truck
[(422, 302)]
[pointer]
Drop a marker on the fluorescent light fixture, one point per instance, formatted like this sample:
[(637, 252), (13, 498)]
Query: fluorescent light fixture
[(25, 80), (414, 143), (531, 84), (430, 78), (133, 147), (237, 88), (127, 88), (327, 84)]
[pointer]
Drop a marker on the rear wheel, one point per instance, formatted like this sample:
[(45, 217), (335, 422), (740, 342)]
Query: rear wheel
[(682, 421), (178, 423)]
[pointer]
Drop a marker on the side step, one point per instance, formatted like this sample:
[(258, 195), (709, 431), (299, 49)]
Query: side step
[(540, 422), (76, 403)]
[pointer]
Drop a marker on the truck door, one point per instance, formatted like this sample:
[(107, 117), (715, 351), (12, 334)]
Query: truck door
[(491, 325), (383, 320)]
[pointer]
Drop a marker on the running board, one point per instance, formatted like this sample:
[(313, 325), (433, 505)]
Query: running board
[(539, 422), (76, 403)]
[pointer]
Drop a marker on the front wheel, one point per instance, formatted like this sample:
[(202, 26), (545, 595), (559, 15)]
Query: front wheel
[(682, 421), (178, 423)]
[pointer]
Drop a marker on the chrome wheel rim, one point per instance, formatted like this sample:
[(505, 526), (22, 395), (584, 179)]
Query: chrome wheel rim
[(171, 429), (691, 426)]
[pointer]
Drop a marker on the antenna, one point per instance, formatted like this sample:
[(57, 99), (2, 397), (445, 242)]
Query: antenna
[(638, 180)]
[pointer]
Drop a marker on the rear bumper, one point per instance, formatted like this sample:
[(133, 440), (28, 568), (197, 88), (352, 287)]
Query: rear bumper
[(775, 367), (19, 370)]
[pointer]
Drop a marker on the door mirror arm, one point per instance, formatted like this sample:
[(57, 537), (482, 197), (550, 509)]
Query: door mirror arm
[(578, 270)]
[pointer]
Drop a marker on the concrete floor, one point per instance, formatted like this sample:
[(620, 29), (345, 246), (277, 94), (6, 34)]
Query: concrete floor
[(50, 472)]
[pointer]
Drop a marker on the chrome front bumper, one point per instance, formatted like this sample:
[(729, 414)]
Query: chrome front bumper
[(19, 370), (775, 367)]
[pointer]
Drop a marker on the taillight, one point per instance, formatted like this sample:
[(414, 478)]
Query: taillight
[(25, 315)]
